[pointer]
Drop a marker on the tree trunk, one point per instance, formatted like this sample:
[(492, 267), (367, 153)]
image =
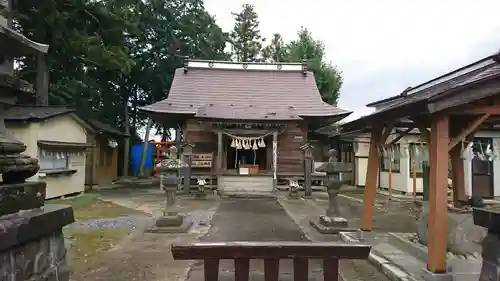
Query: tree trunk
[(145, 147), (126, 147)]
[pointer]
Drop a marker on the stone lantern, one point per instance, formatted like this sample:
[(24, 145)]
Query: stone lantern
[(171, 221), (332, 221)]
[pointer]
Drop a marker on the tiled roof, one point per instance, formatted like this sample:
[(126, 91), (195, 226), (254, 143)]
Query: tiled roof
[(28, 113), (104, 127), (230, 93)]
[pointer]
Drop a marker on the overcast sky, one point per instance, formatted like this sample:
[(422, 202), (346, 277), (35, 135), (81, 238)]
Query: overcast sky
[(382, 47)]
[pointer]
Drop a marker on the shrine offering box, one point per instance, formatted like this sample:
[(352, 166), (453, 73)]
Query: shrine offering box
[(246, 169)]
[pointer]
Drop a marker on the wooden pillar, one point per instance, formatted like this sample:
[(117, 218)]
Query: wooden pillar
[(42, 80), (371, 179), (187, 174), (438, 194), (275, 161), (219, 156), (457, 175)]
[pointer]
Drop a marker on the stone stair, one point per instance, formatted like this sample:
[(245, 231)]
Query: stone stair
[(246, 186)]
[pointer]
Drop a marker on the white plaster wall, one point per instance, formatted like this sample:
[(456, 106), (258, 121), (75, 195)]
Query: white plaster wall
[(467, 155), (61, 129), (402, 181)]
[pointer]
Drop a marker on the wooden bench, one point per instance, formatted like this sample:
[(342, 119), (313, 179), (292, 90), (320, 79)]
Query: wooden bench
[(271, 253)]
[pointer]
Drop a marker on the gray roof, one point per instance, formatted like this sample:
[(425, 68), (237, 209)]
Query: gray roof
[(245, 94)]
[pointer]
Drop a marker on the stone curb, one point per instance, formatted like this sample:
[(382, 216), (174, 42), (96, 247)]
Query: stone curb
[(392, 271)]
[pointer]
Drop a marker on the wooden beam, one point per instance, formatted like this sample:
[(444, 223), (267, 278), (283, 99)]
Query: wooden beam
[(477, 110), (467, 131), (371, 179), (400, 136), (387, 132), (438, 195)]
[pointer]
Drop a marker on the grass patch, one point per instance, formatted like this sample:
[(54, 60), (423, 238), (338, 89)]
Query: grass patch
[(89, 206), (87, 246)]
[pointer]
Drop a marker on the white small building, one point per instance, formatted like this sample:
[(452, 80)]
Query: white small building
[(479, 157), (58, 139)]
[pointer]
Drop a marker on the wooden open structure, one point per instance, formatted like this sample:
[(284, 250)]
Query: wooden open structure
[(244, 119), (447, 110), (271, 253)]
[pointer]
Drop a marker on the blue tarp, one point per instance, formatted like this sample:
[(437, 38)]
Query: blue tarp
[(136, 157)]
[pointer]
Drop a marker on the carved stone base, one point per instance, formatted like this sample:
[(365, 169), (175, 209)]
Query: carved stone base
[(169, 220), (333, 221), (166, 224), (293, 195), (327, 225)]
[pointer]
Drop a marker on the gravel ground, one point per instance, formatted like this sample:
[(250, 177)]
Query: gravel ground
[(119, 222)]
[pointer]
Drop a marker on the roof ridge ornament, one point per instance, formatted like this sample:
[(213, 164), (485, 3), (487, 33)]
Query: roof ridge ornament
[(304, 67), (186, 64), (496, 57)]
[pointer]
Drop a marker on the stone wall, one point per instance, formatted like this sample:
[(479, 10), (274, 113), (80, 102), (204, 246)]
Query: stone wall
[(32, 244), (43, 259)]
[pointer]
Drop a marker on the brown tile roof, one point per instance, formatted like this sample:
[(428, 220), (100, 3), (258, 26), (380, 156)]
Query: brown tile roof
[(30, 113), (246, 112), (230, 93)]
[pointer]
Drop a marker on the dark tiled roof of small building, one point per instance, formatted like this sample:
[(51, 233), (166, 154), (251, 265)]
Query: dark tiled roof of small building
[(104, 128), (232, 90), (32, 113)]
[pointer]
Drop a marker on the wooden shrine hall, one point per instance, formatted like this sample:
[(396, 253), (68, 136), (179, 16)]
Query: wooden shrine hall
[(248, 123), (447, 111)]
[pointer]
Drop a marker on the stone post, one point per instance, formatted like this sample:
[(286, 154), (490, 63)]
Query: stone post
[(308, 169), (489, 219)]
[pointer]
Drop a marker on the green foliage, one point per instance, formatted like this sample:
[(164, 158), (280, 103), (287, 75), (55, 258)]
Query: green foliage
[(328, 77), (245, 37), (109, 57)]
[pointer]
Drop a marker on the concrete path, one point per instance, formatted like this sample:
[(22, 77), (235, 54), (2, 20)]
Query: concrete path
[(253, 220)]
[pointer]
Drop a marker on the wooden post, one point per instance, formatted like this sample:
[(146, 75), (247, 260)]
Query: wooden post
[(308, 169), (275, 161), (42, 80), (187, 174), (219, 157), (414, 177), (390, 155), (371, 179), (438, 195), (457, 175)]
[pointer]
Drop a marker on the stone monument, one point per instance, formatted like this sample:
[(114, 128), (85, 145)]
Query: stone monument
[(31, 240), (489, 219), (332, 222), (171, 221)]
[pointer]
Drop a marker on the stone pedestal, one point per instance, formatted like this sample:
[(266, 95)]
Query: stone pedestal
[(331, 225), (171, 223), (489, 219), (32, 244)]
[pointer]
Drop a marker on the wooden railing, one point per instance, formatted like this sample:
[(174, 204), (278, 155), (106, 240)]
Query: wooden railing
[(271, 253)]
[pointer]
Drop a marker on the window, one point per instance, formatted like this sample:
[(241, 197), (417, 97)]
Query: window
[(396, 160), (419, 153), (53, 160)]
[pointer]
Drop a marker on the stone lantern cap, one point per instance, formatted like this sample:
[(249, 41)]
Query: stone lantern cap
[(332, 166), (335, 167), (487, 218)]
